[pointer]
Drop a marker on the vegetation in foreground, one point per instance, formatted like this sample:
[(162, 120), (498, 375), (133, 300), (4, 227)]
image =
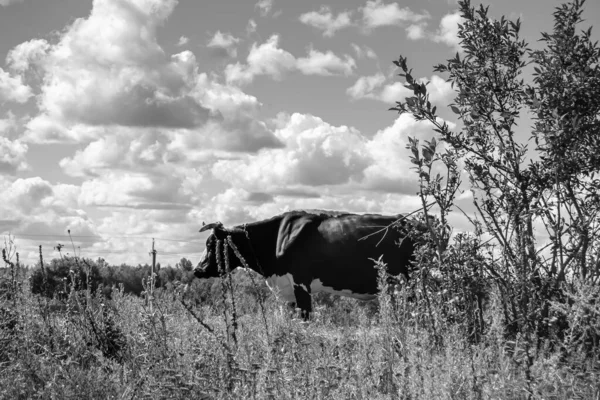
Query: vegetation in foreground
[(128, 347), (510, 311)]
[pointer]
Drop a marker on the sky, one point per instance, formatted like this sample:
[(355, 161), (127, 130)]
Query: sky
[(127, 120)]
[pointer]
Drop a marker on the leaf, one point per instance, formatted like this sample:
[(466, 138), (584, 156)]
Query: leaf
[(427, 154), (415, 151), (455, 109)]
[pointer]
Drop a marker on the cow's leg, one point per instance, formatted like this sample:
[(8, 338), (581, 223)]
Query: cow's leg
[(303, 300)]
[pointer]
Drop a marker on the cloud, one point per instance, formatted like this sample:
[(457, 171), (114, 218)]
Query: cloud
[(9, 2), (324, 20), (374, 87), (12, 156), (22, 56), (391, 172), (365, 86), (448, 30), (225, 42), (35, 206), (118, 76), (325, 64), (12, 88), (268, 59), (264, 6), (12, 151), (363, 51), (377, 14), (251, 27), (416, 31), (183, 40), (315, 153)]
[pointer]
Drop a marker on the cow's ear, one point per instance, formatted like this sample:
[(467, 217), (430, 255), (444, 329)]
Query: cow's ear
[(291, 230), (214, 225)]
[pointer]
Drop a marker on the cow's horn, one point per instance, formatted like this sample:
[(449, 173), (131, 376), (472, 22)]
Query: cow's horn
[(213, 225)]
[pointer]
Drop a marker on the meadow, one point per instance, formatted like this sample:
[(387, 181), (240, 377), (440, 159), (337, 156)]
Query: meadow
[(245, 343), (508, 310)]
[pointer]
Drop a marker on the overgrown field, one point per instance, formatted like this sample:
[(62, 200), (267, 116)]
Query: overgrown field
[(87, 346)]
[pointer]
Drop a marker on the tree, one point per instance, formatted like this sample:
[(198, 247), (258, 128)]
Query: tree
[(518, 190)]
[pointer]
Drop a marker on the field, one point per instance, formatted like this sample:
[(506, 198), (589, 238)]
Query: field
[(130, 347)]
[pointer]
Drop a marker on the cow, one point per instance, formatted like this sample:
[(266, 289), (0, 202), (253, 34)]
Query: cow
[(301, 252)]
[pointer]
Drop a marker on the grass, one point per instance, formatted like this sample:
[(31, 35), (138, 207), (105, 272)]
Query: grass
[(90, 347)]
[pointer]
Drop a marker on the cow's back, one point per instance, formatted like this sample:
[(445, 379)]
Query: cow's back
[(342, 248)]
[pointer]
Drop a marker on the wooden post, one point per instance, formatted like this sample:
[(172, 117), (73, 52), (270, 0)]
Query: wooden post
[(152, 275)]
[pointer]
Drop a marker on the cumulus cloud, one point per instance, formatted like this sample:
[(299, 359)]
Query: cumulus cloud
[(416, 31), (224, 43), (12, 156), (363, 51), (448, 30), (325, 64), (365, 86), (325, 21), (183, 40), (35, 206), (315, 153), (22, 56), (374, 87), (264, 6), (12, 151), (391, 172), (376, 14), (268, 59), (12, 88), (121, 76)]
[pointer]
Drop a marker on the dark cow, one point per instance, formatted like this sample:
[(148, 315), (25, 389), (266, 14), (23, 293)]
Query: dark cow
[(301, 252)]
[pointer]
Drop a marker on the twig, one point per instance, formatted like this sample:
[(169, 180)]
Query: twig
[(395, 222)]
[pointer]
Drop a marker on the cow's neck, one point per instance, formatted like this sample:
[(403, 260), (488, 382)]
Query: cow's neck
[(263, 239)]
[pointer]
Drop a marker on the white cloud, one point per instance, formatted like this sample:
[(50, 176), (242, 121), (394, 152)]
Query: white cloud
[(365, 86), (98, 76), (448, 30), (12, 156), (8, 124), (8, 2), (225, 42), (325, 64), (183, 40), (268, 59), (12, 88), (374, 87), (315, 153), (391, 172), (120, 82), (251, 27), (363, 51), (23, 55), (35, 206), (264, 6), (416, 31), (377, 14), (325, 21)]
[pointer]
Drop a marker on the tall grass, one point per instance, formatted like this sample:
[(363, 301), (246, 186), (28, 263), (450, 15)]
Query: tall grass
[(121, 348)]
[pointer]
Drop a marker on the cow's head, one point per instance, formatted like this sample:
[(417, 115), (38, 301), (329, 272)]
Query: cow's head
[(208, 266)]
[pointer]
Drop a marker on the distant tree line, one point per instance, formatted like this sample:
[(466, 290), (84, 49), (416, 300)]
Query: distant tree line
[(62, 275)]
